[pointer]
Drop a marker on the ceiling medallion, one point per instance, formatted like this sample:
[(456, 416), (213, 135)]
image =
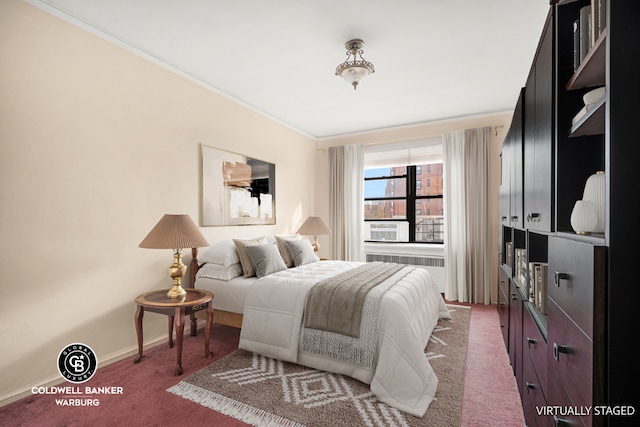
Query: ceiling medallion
[(353, 71)]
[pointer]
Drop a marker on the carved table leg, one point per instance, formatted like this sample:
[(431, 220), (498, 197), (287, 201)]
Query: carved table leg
[(207, 330), (138, 322), (171, 331), (179, 327)]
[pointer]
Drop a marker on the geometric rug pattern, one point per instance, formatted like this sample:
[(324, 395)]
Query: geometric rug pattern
[(267, 392)]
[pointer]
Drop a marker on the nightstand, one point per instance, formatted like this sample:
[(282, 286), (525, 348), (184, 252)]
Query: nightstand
[(176, 309)]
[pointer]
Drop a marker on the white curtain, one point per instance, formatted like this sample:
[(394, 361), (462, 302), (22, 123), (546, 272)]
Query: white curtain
[(467, 166), (346, 195)]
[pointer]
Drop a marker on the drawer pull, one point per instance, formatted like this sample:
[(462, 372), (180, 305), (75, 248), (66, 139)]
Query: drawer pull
[(514, 297), (514, 218), (532, 216), (557, 349), (559, 422), (560, 276), (530, 386), (530, 341)]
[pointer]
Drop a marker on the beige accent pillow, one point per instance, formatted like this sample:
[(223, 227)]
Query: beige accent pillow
[(245, 259), (282, 247)]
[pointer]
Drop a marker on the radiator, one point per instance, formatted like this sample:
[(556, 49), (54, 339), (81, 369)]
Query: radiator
[(433, 264)]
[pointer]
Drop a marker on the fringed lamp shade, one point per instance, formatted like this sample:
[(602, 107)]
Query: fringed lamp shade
[(175, 232)]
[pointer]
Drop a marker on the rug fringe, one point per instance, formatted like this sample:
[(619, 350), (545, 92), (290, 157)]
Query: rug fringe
[(233, 408)]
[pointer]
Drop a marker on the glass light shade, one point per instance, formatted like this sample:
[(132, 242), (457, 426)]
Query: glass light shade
[(594, 192), (354, 74), (583, 217)]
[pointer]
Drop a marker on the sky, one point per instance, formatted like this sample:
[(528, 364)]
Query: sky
[(375, 188)]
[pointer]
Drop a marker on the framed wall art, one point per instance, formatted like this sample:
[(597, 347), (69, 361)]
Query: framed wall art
[(236, 189)]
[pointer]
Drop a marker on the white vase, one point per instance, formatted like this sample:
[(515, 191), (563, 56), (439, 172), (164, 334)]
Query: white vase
[(594, 192), (583, 217)]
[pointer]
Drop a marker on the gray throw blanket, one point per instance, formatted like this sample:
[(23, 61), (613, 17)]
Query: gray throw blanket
[(336, 304)]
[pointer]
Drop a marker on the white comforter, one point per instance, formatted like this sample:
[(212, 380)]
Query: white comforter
[(402, 377)]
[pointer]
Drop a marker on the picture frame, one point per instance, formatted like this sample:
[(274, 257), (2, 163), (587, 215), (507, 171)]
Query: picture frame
[(236, 189)]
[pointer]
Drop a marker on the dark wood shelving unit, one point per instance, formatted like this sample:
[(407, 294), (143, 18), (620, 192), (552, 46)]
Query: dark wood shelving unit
[(574, 352)]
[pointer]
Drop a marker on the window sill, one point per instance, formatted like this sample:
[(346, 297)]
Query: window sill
[(421, 249)]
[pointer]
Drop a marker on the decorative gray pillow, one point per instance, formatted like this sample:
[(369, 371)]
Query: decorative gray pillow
[(266, 259), (281, 241), (241, 245), (301, 252)]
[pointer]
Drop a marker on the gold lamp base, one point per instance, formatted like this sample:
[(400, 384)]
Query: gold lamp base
[(177, 292), (176, 271)]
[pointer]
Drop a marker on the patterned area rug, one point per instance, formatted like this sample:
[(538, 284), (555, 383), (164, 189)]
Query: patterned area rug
[(266, 392)]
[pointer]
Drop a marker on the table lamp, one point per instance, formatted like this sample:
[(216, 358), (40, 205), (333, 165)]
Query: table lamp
[(175, 232), (314, 226)]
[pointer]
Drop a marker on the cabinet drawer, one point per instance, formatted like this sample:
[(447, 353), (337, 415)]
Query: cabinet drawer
[(576, 280), (503, 316), (533, 396), (515, 332), (503, 279), (561, 399), (570, 359), (536, 346)]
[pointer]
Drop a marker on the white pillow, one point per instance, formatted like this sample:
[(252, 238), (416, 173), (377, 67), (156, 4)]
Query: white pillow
[(266, 259), (282, 247), (245, 260), (223, 253), (301, 252), (220, 272)]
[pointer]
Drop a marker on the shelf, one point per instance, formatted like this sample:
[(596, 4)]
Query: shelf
[(591, 71), (592, 123), (597, 239)]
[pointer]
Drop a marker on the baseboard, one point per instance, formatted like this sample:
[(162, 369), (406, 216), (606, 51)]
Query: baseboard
[(104, 361)]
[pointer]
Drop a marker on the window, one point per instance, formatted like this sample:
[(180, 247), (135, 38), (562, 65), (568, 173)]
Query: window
[(397, 206), (407, 201)]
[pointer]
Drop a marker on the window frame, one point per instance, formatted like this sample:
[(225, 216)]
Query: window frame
[(410, 199)]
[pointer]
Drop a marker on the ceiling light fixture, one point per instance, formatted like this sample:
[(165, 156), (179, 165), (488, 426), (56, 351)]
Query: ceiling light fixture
[(353, 71)]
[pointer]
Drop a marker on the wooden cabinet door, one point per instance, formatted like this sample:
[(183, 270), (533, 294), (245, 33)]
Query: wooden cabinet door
[(515, 138), (503, 305), (515, 332), (538, 137)]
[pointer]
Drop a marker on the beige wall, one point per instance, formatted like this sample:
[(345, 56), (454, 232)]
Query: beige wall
[(499, 121), (96, 145)]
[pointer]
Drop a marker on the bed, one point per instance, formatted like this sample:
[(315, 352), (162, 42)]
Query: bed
[(284, 313)]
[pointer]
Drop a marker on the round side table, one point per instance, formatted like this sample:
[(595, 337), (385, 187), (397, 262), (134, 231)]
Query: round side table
[(176, 309)]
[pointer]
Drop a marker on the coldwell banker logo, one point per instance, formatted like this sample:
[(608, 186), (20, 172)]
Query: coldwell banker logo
[(77, 363)]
